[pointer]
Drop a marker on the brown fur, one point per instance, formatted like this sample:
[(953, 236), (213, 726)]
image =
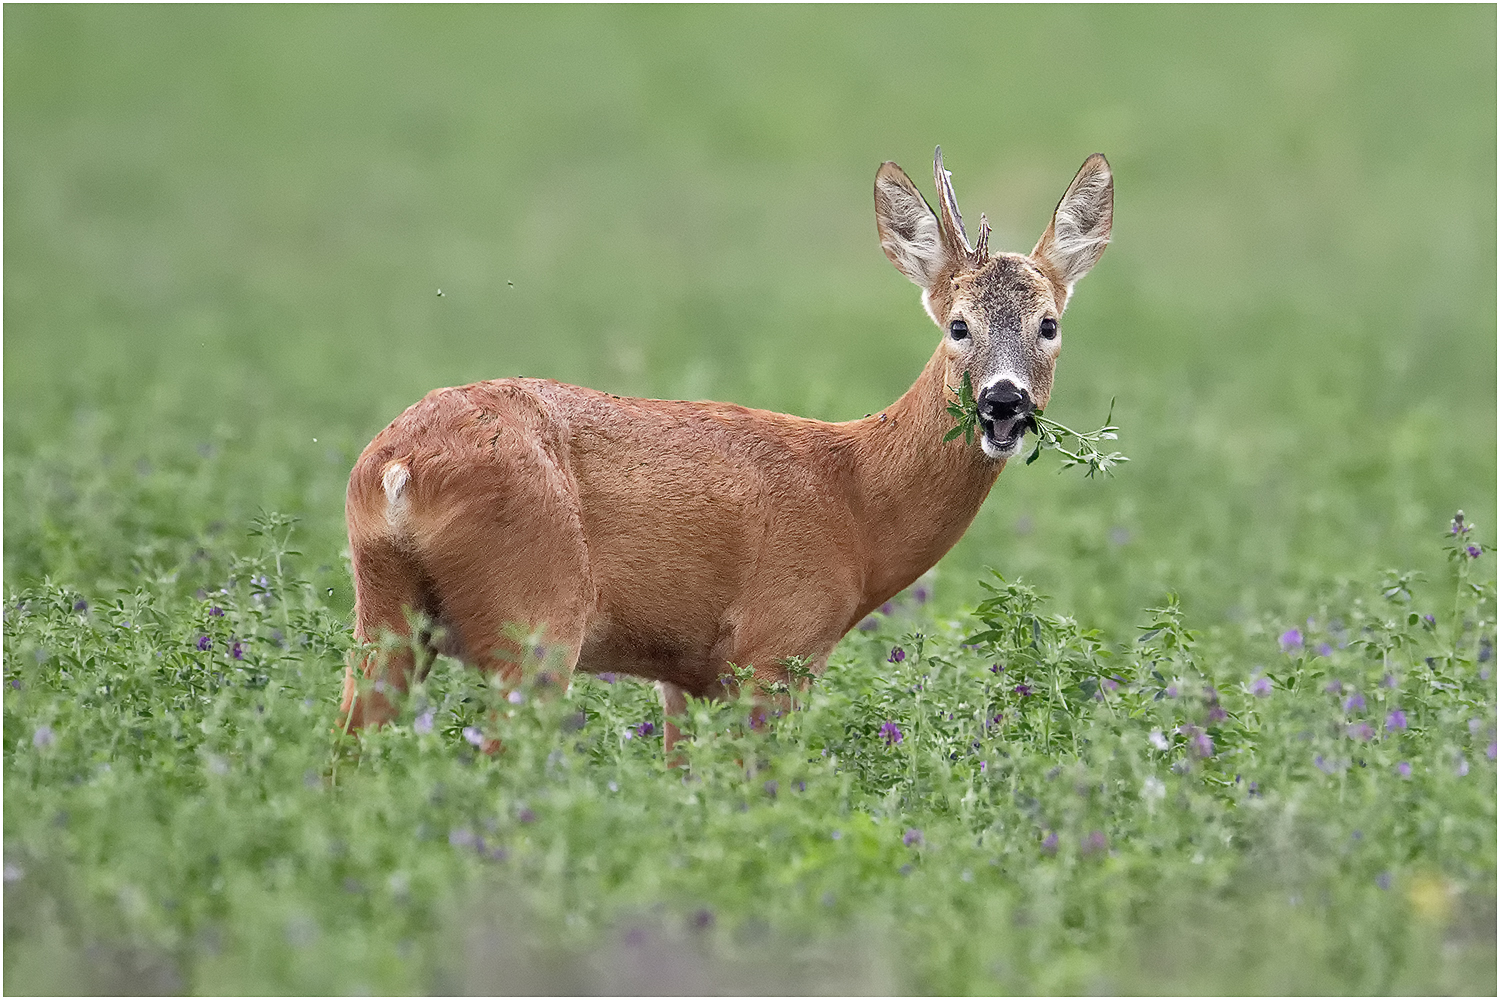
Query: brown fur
[(659, 538)]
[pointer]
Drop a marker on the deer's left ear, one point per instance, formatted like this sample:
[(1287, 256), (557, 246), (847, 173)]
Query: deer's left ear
[(1079, 230)]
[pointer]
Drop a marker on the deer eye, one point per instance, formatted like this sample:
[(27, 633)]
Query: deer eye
[(958, 330), (1049, 328)]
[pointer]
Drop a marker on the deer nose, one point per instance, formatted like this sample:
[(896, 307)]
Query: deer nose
[(1003, 401)]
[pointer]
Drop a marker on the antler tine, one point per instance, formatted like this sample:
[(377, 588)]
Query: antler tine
[(982, 245)]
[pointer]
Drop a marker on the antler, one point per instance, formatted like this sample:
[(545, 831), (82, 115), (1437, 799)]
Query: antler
[(953, 223)]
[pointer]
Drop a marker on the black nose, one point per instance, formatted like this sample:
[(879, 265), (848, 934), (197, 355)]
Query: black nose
[(1003, 401)]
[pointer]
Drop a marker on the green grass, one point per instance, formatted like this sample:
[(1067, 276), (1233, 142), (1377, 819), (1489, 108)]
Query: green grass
[(225, 232)]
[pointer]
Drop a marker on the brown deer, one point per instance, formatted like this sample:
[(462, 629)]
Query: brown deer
[(529, 522)]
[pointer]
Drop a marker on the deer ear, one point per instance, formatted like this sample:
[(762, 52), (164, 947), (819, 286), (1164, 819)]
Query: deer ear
[(909, 231), (1079, 230)]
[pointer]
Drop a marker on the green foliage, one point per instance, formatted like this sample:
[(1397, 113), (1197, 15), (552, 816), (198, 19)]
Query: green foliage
[(180, 797)]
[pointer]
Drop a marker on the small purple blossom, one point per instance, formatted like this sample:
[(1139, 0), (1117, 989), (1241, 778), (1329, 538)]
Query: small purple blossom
[(1388, 681), (771, 787), (1324, 649), (982, 765), (474, 736), (608, 677), (1290, 639), (897, 655), (44, 738), (1171, 690), (81, 605), (216, 612), (1216, 713), (1473, 551), (1261, 687), (1403, 769), (1325, 765), (1459, 527), (1396, 720), (516, 697), (921, 594), (891, 733), (1202, 745), (1354, 703), (1383, 880), (462, 837), (1049, 844), (1361, 731), (1094, 843), (1431, 621), (237, 650), (1489, 751), (1334, 687), (1024, 690), (423, 723), (15, 683), (912, 837), (887, 608), (996, 668), (869, 624), (205, 643), (1462, 767), (525, 815), (645, 729), (1486, 650)]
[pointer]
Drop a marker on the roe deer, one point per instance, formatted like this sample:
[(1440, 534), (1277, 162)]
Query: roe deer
[(669, 539)]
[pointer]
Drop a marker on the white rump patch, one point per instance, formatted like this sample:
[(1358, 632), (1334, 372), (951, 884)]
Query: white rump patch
[(394, 481)]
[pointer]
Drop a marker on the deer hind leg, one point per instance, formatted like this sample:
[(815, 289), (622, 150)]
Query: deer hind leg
[(510, 572), (388, 587)]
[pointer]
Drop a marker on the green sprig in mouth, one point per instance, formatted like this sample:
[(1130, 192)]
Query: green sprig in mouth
[(1078, 448)]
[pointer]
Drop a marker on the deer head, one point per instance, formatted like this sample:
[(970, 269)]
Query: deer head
[(1000, 314)]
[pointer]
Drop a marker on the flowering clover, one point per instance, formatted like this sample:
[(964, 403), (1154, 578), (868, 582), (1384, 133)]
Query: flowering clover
[(891, 733)]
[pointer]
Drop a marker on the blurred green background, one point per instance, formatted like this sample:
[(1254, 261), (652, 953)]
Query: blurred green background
[(225, 231)]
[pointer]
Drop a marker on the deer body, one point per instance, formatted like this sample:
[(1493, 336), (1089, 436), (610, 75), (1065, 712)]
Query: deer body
[(670, 539)]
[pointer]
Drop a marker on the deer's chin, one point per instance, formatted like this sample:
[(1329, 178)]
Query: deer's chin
[(1005, 438)]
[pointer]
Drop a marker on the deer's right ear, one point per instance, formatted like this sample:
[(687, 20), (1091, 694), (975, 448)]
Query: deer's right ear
[(909, 230)]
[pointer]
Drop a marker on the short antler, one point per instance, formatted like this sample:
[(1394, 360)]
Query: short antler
[(953, 223)]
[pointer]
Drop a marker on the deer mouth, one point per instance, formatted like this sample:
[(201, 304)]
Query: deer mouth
[(1003, 438)]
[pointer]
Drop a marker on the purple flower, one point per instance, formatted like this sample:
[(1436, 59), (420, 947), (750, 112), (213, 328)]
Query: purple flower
[(1383, 880), (996, 668), (1171, 690), (1216, 714), (920, 593), (1395, 721), (81, 605), (1361, 731), (1024, 690), (43, 738), (1473, 551), (525, 815), (1459, 527), (1324, 765), (1462, 767), (15, 683), (1290, 639), (891, 733), (237, 651), (912, 837), (645, 729), (1261, 687), (462, 837), (1388, 681), (423, 723), (869, 624), (474, 736), (1486, 650), (216, 612), (1431, 621), (1354, 703), (771, 788), (1202, 745), (204, 642), (516, 697), (897, 655), (982, 765), (1049, 845), (1489, 751), (608, 677), (1403, 769), (887, 608), (1094, 843), (1334, 687), (1324, 649)]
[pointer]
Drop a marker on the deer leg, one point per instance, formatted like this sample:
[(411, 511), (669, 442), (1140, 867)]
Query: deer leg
[(387, 587)]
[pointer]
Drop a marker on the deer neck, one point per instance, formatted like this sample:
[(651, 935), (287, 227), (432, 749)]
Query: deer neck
[(915, 493)]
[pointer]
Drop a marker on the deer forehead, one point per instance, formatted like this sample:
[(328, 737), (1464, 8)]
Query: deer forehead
[(1005, 291)]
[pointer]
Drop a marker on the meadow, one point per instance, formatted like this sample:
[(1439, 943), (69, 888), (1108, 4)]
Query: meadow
[(1222, 722)]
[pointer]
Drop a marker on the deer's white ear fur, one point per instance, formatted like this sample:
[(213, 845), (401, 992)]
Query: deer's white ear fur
[(1079, 230), (909, 231)]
